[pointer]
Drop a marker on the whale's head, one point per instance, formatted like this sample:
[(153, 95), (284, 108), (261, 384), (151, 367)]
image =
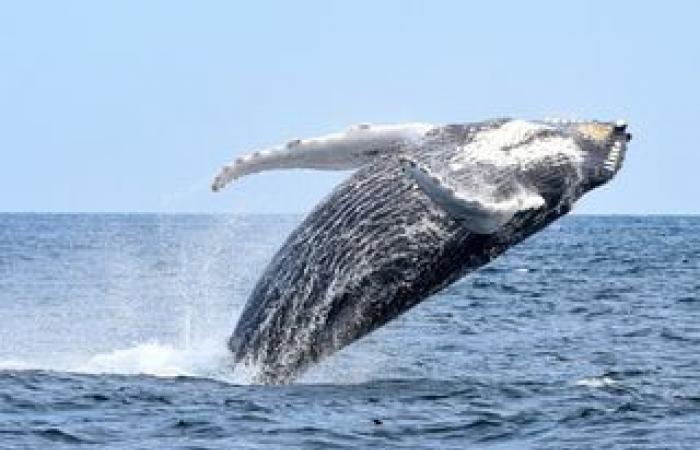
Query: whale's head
[(603, 146), (514, 165), (569, 158), (555, 158)]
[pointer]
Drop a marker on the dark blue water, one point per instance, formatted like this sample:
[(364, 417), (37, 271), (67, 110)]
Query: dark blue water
[(112, 331)]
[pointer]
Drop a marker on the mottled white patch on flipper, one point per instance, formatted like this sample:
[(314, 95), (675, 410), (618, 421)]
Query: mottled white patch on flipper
[(479, 215), (338, 151)]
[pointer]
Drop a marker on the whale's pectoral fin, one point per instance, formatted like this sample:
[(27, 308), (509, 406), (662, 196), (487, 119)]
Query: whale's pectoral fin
[(339, 151), (479, 216)]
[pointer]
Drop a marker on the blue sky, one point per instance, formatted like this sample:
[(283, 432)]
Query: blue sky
[(134, 106)]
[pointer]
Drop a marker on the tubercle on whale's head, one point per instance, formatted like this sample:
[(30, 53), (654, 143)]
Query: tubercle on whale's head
[(603, 146)]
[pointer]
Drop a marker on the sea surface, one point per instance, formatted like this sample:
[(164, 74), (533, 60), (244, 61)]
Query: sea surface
[(113, 330)]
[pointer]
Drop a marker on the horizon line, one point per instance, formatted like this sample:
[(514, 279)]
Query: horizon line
[(282, 213)]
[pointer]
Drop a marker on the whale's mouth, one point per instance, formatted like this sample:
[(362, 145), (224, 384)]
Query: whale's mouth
[(616, 155)]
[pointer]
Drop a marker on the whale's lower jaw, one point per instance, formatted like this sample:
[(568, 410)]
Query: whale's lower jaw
[(368, 253)]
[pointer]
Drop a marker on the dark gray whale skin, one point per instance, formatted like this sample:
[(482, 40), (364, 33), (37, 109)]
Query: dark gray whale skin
[(375, 247)]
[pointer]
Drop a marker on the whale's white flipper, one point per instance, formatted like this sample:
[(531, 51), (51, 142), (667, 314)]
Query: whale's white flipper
[(478, 215), (337, 151)]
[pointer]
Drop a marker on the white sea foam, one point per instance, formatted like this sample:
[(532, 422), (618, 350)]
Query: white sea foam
[(596, 382), (156, 359), (153, 358), (13, 364)]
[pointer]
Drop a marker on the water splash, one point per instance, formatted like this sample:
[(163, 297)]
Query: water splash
[(148, 295), (187, 328), (207, 360)]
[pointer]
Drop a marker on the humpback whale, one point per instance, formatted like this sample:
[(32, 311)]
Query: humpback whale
[(426, 205)]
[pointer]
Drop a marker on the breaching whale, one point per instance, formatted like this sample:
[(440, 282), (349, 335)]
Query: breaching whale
[(427, 205)]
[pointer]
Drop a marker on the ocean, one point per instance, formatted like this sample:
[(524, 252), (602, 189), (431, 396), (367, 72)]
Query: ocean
[(113, 330)]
